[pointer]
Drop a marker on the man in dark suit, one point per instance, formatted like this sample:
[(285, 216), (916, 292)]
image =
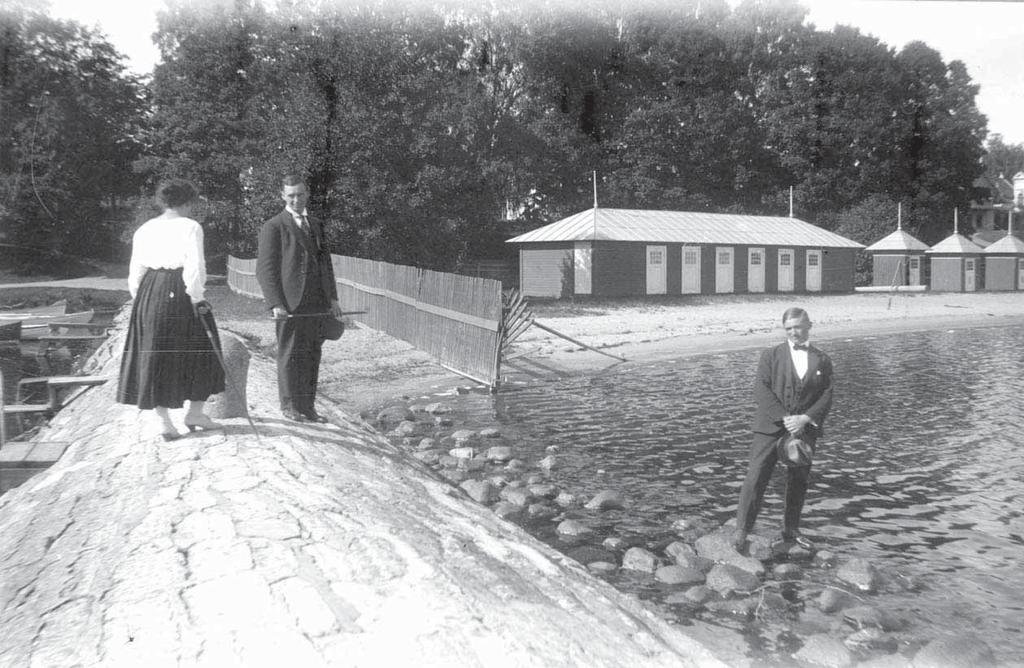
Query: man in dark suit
[(294, 271), (793, 391)]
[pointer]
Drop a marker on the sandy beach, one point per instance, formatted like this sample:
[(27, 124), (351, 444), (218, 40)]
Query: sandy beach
[(366, 369)]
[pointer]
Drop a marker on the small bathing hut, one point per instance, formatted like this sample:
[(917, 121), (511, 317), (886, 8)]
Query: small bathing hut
[(898, 259), (955, 263), (1004, 262)]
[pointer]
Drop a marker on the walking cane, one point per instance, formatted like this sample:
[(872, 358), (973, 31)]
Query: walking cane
[(313, 315), (215, 344)]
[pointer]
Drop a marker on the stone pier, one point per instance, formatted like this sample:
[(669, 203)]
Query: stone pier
[(311, 545)]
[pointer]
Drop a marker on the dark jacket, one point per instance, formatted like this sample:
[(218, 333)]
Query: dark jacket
[(779, 392), (287, 256)]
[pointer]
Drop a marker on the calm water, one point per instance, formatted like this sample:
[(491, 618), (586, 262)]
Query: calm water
[(921, 469)]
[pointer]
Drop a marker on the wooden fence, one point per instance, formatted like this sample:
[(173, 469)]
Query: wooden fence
[(455, 319), (242, 277)]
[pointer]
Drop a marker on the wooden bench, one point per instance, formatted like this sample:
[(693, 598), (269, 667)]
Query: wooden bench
[(54, 384)]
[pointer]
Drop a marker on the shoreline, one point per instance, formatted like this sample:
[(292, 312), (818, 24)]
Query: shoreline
[(367, 370), (716, 333), (687, 345)]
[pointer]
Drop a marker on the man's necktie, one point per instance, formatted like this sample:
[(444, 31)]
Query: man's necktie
[(800, 346)]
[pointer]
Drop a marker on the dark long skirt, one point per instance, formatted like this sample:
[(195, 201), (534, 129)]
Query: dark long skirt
[(168, 356)]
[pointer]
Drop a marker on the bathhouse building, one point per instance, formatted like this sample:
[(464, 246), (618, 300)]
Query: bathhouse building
[(955, 264), (634, 252), (898, 259), (1004, 263)]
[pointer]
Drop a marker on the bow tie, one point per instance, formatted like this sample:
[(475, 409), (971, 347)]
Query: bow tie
[(800, 346)]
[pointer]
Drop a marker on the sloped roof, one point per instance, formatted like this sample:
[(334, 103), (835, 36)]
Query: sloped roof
[(898, 241), (956, 243), (1008, 244), (985, 238), (685, 227), (999, 188)]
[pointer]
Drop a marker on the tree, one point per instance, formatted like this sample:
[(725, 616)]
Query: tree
[(207, 108), (72, 117), (420, 127), (1002, 159), (940, 138)]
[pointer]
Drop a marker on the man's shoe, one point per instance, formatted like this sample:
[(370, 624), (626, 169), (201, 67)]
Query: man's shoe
[(739, 540), (294, 415), (313, 416), (794, 539)]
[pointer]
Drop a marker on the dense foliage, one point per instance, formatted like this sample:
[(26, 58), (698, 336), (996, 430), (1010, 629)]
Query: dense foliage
[(428, 131), (70, 116)]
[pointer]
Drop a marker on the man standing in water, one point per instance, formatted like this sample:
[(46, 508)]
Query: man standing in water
[(793, 391)]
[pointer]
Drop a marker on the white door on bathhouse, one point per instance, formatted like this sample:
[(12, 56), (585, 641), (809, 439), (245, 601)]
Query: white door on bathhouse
[(724, 269), (755, 270), (969, 274), (813, 271), (582, 266), (657, 274), (914, 277), (1020, 273), (785, 270), (690, 284)]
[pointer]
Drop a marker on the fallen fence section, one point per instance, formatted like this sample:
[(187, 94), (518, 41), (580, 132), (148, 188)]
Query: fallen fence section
[(455, 319)]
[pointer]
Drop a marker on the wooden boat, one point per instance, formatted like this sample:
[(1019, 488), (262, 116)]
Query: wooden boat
[(35, 322), (40, 325), (56, 308)]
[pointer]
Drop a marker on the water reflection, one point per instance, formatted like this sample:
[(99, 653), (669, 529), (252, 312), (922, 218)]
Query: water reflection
[(920, 469)]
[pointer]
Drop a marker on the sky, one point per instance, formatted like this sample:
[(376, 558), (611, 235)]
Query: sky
[(988, 37)]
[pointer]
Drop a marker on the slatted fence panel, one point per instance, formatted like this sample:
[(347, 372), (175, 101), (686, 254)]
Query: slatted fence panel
[(242, 277), (456, 319), (459, 322)]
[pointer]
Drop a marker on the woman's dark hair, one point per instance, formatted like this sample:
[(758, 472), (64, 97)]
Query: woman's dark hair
[(172, 193)]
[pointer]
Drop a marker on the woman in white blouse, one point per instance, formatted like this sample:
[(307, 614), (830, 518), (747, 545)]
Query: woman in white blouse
[(169, 352)]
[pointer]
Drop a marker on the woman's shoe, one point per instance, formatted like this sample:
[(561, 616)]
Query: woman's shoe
[(171, 435), (202, 422)]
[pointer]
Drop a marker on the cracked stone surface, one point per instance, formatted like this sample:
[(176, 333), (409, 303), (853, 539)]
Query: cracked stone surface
[(312, 545)]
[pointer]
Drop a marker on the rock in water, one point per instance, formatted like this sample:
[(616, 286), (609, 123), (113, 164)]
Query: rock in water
[(860, 573), (481, 491), (639, 559), (606, 500), (727, 579), (573, 528), (823, 650), (963, 650), (679, 575)]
